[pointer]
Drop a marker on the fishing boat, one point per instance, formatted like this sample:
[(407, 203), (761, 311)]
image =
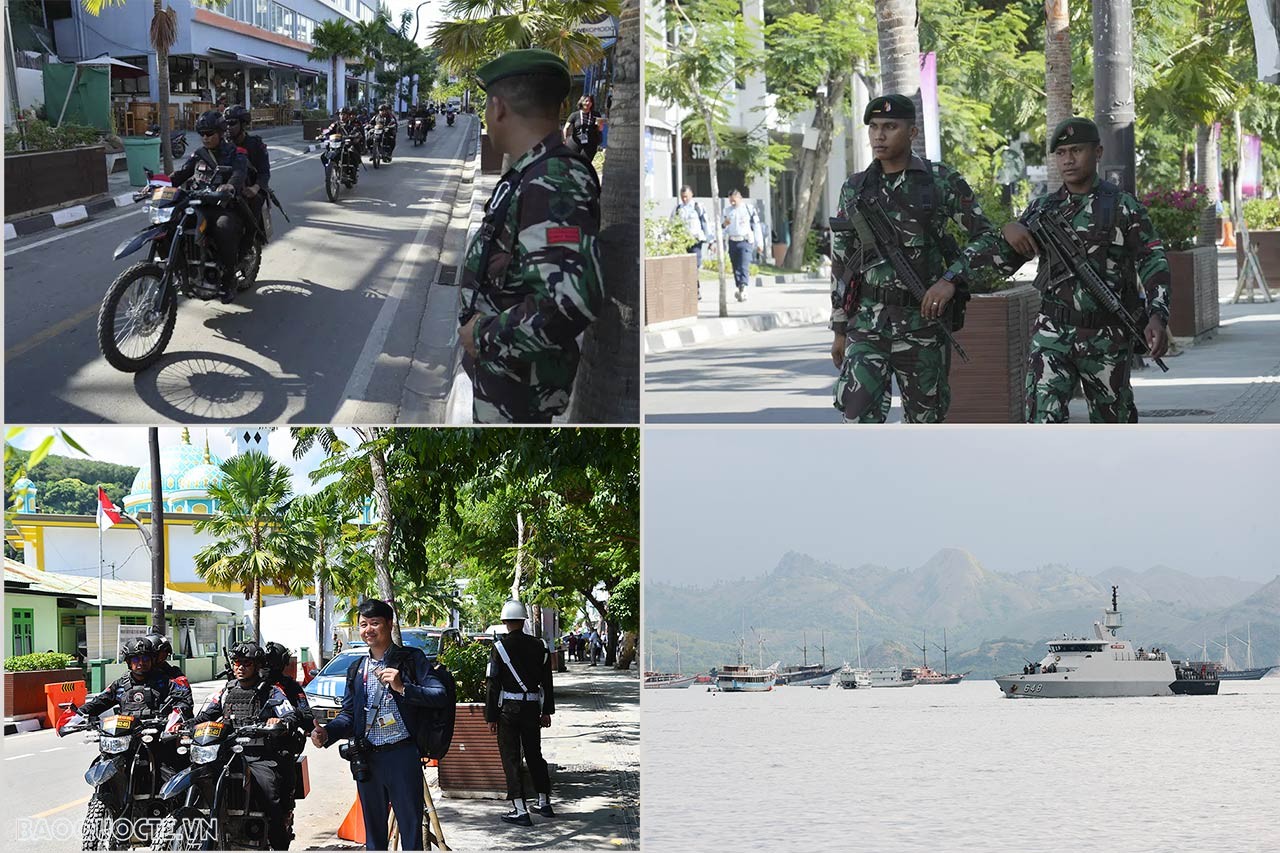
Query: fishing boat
[(667, 680), (1228, 670), (924, 675), (851, 678), (808, 674), (743, 678)]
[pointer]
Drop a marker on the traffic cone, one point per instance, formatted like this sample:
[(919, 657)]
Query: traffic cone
[(1228, 234), (352, 828)]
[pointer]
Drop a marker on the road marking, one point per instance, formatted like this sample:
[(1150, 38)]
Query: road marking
[(53, 749), (16, 757), (79, 230), (368, 358), (63, 807), (51, 332)]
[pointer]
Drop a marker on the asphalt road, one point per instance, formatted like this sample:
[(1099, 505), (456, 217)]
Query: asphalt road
[(327, 335)]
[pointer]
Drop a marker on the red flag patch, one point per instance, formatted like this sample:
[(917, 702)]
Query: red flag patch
[(564, 235)]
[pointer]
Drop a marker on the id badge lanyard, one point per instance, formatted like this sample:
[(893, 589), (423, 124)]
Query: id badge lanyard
[(370, 718)]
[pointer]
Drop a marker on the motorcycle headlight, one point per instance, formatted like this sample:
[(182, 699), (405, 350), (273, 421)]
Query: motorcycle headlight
[(159, 215), (204, 754), (114, 744)]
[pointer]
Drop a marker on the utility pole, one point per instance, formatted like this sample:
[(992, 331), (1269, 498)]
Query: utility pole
[(1113, 107), (157, 534)]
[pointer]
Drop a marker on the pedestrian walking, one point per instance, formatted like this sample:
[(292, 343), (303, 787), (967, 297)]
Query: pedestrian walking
[(881, 329), (518, 706), (1075, 338), (597, 646), (582, 131), (690, 212), (533, 269), (742, 231)]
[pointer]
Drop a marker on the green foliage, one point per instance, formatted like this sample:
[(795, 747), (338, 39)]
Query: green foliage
[(624, 603), (38, 661), (664, 235), (315, 115), (713, 265), (1262, 214), (39, 136), (1176, 215), (45, 469), (467, 662), (483, 29)]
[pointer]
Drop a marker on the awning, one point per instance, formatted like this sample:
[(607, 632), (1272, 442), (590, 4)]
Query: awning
[(246, 59), (119, 70)]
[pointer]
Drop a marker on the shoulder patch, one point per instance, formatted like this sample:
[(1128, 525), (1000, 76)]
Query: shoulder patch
[(240, 150), (565, 234)]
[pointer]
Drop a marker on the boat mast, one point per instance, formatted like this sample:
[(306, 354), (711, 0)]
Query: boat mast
[(946, 670), (857, 628), (924, 648), (678, 669), (824, 649), (805, 648)]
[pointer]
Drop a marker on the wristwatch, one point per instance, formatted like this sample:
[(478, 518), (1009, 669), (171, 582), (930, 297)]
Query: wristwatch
[(950, 275)]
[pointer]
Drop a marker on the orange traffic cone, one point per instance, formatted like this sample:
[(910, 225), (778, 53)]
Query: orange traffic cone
[(1228, 234), (352, 828)]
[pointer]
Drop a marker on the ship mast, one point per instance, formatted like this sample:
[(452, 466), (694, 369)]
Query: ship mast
[(857, 629), (924, 648), (805, 648), (946, 670), (824, 649)]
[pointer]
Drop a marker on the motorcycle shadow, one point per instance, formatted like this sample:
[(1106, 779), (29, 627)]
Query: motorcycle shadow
[(200, 386)]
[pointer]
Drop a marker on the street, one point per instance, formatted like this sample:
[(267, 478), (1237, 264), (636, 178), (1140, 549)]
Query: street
[(785, 375), (328, 335)]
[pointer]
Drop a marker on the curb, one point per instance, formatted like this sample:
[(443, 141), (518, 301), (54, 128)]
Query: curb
[(65, 217), (719, 328), (791, 278)]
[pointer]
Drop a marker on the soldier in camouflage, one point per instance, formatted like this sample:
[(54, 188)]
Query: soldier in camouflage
[(880, 328), (531, 282), (1074, 337)]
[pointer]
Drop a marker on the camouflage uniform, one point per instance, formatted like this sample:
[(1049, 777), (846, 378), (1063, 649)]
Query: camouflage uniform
[(884, 338), (1071, 344), (541, 290)]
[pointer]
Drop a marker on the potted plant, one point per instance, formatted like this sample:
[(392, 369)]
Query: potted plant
[(472, 767), (313, 121), (670, 270), (26, 675), (1262, 218), (46, 167), (1193, 279)]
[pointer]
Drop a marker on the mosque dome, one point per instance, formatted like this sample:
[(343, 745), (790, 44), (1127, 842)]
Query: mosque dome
[(188, 471)]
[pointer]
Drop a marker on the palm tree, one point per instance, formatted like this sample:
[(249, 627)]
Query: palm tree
[(163, 33), (361, 471), (372, 41), (1057, 76), (900, 56), (334, 39), (255, 539), (608, 386), (483, 29)]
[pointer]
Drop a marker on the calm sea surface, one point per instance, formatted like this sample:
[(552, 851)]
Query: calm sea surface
[(958, 767)]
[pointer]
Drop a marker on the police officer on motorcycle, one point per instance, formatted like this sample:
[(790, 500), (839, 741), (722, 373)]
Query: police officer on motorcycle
[(347, 125), (277, 658), (162, 666), (258, 185), (250, 698), (144, 692), (390, 125), (228, 227)]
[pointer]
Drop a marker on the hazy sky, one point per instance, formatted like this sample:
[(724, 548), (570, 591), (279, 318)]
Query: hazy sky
[(727, 503), (128, 446)]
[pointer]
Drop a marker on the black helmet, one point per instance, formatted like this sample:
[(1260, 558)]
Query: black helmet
[(237, 113), (160, 643), (211, 121), (277, 656), (137, 646), (384, 106), (346, 110), (251, 652)]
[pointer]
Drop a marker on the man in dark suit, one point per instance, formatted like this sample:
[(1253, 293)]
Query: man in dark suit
[(518, 707), (383, 711)]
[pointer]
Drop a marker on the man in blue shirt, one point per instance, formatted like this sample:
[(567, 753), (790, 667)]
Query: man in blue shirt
[(388, 694)]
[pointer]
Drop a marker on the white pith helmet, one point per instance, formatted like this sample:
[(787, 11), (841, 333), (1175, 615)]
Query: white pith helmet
[(513, 610)]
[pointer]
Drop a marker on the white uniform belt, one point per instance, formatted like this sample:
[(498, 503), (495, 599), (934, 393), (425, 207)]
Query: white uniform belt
[(522, 697)]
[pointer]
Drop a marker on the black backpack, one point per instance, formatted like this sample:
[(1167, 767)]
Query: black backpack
[(434, 737)]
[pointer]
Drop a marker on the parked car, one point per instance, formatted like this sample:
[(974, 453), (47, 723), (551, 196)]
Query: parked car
[(325, 690)]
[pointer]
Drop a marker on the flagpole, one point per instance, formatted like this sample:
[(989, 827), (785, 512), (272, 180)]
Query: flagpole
[(100, 647)]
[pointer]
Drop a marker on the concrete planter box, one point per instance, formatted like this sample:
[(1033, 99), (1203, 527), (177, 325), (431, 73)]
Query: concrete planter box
[(40, 180), (1266, 242), (311, 128), (997, 337), (1193, 292), (670, 288), (24, 691), (472, 768)]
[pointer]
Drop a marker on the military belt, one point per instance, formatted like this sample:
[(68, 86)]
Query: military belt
[(898, 296), (508, 696), (1060, 313)]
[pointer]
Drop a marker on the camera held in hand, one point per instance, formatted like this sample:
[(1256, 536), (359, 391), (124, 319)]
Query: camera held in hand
[(357, 752)]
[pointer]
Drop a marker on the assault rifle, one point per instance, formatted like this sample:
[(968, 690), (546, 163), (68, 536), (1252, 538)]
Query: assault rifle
[(1061, 243), (873, 227)]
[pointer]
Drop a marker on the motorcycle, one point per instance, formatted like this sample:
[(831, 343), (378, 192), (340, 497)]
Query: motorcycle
[(127, 744), (418, 128), (140, 307), (340, 164), (373, 141), (177, 139), (215, 804), (449, 118)]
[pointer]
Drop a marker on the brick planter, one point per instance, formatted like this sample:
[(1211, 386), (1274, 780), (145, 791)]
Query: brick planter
[(1193, 292), (1268, 246), (24, 691), (670, 288), (40, 180), (997, 337), (311, 128), (472, 768)]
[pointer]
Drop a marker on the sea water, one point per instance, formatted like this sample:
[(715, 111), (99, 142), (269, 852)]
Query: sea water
[(945, 768)]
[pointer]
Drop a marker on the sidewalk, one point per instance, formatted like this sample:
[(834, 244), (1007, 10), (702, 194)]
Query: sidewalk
[(593, 748)]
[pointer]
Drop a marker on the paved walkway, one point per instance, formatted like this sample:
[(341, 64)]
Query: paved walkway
[(593, 747)]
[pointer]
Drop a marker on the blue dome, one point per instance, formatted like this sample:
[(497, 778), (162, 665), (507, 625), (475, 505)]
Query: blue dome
[(23, 484), (200, 478), (184, 468)]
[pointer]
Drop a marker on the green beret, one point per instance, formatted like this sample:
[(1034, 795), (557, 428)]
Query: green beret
[(1072, 131), (890, 106), (520, 62)]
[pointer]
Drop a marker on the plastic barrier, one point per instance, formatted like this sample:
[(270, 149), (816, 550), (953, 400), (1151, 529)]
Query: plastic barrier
[(59, 695)]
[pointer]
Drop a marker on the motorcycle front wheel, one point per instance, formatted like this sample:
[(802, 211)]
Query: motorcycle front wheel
[(96, 831), (375, 157), (332, 181), (136, 320)]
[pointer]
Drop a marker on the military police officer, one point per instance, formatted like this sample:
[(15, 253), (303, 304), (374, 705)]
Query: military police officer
[(519, 705), (531, 282), (880, 328), (1074, 336)]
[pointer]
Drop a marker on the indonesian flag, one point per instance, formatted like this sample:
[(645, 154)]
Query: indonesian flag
[(108, 514)]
